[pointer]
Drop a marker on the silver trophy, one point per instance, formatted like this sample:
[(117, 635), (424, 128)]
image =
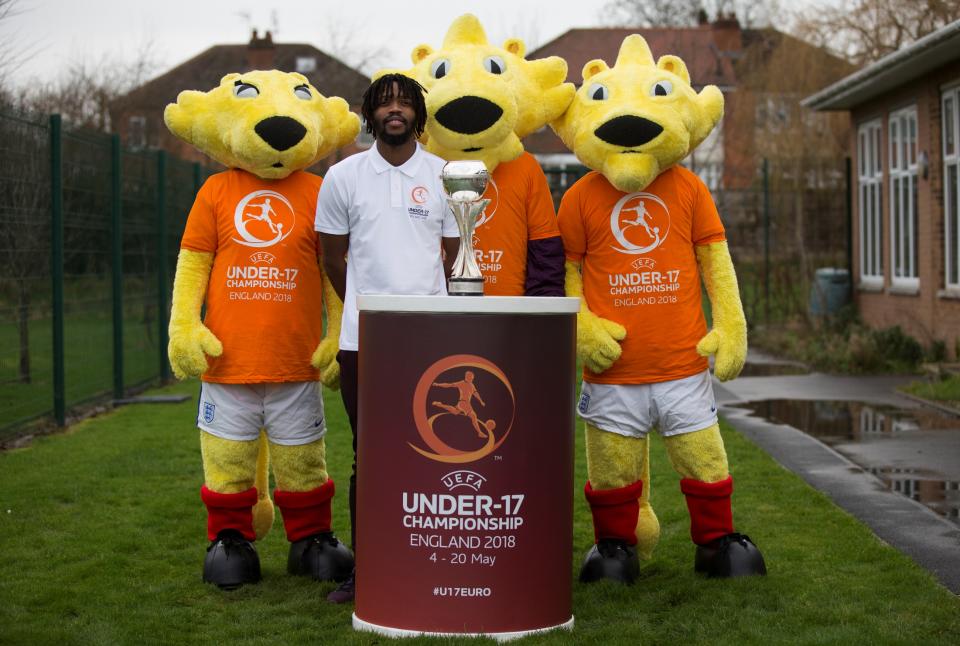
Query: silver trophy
[(464, 182)]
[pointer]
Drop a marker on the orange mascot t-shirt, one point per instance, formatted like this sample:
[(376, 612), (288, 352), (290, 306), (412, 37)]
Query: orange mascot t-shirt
[(264, 298), (520, 209), (640, 268)]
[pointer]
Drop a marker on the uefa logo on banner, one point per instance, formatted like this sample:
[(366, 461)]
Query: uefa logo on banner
[(463, 407)]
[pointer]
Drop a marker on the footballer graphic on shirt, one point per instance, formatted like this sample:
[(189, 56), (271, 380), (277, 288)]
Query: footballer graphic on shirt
[(263, 218)]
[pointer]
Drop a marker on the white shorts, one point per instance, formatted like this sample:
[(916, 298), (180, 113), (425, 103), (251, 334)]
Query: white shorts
[(673, 407), (291, 413)]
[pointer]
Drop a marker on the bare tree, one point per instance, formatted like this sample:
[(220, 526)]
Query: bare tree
[(686, 13), (340, 40), (863, 31), (83, 92)]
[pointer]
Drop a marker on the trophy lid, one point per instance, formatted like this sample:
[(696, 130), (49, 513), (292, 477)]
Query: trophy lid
[(464, 180)]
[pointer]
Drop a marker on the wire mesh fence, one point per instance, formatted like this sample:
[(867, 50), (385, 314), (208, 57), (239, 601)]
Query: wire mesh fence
[(89, 232)]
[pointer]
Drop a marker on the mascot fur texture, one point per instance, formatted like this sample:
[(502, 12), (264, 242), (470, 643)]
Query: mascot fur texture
[(481, 101), (650, 224), (265, 126)]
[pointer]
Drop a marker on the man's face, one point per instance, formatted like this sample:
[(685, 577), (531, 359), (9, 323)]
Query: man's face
[(394, 118)]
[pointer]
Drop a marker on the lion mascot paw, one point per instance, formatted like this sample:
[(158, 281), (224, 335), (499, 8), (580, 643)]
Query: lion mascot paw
[(249, 252), (641, 232)]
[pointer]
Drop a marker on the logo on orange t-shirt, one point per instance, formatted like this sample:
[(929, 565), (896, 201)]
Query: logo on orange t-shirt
[(493, 194), (640, 223), (263, 218)]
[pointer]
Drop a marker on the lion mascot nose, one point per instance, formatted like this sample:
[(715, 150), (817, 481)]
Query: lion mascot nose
[(281, 132), (628, 131), (469, 114)]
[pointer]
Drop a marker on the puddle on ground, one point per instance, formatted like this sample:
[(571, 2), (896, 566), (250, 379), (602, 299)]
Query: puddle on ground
[(772, 369), (914, 452)]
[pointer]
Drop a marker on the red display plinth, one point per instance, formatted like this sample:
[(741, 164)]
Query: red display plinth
[(465, 465)]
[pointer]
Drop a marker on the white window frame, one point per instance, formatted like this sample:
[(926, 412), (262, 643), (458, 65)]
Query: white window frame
[(951, 188), (902, 154), (870, 203), (137, 132)]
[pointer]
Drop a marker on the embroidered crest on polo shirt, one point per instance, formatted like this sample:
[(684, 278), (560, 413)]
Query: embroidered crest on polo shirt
[(640, 223), (263, 218)]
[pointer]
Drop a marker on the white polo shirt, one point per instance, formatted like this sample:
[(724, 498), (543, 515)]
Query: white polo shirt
[(395, 216)]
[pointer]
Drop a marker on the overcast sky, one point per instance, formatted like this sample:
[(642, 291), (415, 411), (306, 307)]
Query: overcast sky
[(52, 33)]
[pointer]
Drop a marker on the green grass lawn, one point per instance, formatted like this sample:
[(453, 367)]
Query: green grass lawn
[(102, 537), (945, 391)]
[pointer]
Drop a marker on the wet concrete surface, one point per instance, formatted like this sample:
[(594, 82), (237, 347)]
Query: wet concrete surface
[(873, 451)]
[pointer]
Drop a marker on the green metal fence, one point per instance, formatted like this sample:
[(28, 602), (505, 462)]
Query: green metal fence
[(89, 232)]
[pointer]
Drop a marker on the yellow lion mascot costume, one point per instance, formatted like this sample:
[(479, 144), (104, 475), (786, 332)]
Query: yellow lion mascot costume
[(481, 101), (640, 233), (250, 252)]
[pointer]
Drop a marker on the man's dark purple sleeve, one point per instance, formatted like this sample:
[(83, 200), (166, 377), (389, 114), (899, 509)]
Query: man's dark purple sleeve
[(544, 267)]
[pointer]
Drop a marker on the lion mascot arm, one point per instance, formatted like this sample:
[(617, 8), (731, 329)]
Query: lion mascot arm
[(190, 339), (597, 338), (728, 338), (325, 356)]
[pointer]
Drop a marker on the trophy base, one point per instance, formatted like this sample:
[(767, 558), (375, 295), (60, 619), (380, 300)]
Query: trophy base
[(465, 287)]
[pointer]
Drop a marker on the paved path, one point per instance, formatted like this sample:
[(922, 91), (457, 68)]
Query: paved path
[(929, 539)]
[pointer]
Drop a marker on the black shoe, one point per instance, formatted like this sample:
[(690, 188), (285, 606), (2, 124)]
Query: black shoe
[(231, 561), (344, 592), (610, 559), (729, 556), (320, 556)]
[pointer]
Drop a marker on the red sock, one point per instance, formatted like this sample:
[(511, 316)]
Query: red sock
[(615, 511), (709, 504), (229, 511), (305, 513)]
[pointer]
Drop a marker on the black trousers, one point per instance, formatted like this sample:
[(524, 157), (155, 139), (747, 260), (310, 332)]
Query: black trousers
[(348, 392)]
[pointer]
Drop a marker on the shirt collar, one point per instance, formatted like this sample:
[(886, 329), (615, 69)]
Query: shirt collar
[(408, 168)]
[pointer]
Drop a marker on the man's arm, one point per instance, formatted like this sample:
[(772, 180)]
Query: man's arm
[(451, 246), (335, 260)]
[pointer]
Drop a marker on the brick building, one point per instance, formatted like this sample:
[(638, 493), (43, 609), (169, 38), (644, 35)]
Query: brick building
[(138, 115), (906, 160)]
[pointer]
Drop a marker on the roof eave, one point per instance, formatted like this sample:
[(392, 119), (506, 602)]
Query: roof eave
[(893, 70)]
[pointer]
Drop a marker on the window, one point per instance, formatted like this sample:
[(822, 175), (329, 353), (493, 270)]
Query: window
[(137, 133), (869, 185), (903, 198), (951, 187), (306, 64)]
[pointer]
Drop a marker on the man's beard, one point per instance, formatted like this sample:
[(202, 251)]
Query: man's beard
[(393, 140)]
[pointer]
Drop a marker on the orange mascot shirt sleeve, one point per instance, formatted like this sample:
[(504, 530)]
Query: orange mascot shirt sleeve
[(639, 264), (520, 209), (264, 299)]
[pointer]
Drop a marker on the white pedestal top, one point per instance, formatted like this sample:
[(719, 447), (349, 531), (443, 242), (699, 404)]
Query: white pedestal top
[(469, 304)]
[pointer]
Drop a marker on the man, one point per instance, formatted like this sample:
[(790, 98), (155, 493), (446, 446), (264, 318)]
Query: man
[(383, 219)]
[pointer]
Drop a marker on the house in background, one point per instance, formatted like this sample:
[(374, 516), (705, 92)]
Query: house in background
[(906, 160), (138, 115), (715, 54)]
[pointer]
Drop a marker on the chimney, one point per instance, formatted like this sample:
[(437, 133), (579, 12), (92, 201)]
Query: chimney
[(260, 52), (726, 33)]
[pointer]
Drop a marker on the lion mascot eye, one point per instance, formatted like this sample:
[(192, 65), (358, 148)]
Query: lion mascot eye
[(598, 92), (661, 88), (494, 65), (302, 92), (440, 68), (243, 90)]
